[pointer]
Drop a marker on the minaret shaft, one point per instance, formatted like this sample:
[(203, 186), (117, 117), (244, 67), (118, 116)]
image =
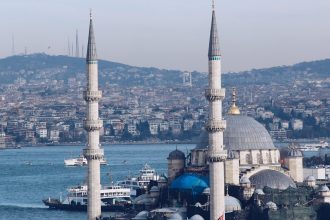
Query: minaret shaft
[(93, 124), (215, 126)]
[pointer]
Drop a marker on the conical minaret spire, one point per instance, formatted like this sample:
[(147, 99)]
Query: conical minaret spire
[(91, 46), (93, 152), (215, 126), (214, 46)]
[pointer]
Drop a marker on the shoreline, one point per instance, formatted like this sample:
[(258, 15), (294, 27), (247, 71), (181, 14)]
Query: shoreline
[(146, 143)]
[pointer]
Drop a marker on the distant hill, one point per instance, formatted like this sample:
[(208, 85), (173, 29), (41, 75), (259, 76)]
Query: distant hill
[(63, 67)]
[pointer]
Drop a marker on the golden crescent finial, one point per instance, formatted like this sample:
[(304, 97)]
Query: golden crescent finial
[(234, 110)]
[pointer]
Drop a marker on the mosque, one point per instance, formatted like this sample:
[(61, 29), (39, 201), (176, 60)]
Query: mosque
[(234, 172)]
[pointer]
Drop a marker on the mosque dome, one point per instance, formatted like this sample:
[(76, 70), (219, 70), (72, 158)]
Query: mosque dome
[(232, 204), (310, 179), (175, 216), (176, 155), (271, 205), (324, 188), (273, 179), (207, 191), (196, 217), (244, 180), (242, 133), (193, 182), (154, 189)]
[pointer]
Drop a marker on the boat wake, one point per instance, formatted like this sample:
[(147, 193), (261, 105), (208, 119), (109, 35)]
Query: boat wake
[(22, 205)]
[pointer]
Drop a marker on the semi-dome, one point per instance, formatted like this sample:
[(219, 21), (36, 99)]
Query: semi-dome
[(141, 216), (310, 179), (176, 155), (193, 182), (242, 133), (232, 204), (273, 179)]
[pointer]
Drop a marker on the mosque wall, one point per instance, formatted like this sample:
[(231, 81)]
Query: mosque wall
[(232, 171)]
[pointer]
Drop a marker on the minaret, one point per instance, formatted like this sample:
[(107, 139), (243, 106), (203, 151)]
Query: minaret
[(93, 124), (77, 44), (215, 127)]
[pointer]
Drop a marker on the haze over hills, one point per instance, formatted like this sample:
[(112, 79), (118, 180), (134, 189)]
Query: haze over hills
[(64, 67)]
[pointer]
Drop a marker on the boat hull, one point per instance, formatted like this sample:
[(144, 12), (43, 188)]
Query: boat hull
[(56, 204)]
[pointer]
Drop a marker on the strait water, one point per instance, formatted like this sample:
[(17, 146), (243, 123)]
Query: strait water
[(29, 175)]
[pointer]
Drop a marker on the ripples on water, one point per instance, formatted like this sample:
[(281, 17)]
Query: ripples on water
[(29, 175)]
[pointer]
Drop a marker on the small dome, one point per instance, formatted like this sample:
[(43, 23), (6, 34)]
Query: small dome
[(141, 216), (273, 179), (271, 205), (232, 155), (259, 192), (176, 155), (232, 204), (310, 179), (154, 189), (295, 153), (324, 188), (193, 182), (175, 216), (207, 191), (196, 217), (244, 180)]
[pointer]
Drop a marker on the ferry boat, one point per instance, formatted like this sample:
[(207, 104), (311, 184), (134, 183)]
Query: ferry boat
[(113, 198), (81, 161), (140, 184)]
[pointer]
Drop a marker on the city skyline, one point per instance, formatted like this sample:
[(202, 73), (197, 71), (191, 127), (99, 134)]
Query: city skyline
[(267, 29)]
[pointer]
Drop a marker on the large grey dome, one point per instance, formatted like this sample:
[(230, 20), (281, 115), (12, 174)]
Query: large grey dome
[(271, 178), (242, 133)]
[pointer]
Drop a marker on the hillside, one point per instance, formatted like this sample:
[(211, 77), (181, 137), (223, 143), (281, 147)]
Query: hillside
[(64, 67)]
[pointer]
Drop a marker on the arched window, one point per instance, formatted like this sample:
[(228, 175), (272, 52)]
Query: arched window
[(248, 158), (259, 159)]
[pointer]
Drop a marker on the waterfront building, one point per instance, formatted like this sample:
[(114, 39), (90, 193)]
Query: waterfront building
[(93, 153)]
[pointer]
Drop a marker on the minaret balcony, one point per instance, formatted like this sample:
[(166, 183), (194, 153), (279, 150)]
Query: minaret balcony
[(219, 156), (93, 125), (215, 94), (92, 96), (213, 126), (93, 154)]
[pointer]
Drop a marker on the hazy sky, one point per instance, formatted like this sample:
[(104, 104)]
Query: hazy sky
[(173, 34)]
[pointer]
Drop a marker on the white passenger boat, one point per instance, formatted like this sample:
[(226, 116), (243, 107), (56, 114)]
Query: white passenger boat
[(113, 198), (141, 182), (81, 161)]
